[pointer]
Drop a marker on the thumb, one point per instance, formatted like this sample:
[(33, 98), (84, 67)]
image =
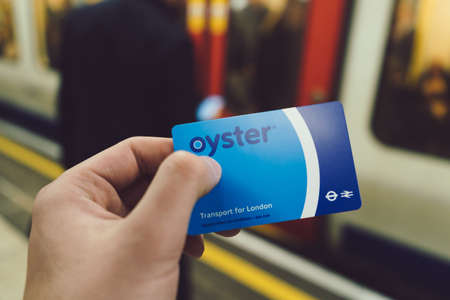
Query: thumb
[(166, 206)]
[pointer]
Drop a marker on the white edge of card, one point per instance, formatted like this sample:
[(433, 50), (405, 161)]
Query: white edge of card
[(311, 160)]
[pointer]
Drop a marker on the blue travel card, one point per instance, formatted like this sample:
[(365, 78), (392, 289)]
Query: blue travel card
[(277, 166)]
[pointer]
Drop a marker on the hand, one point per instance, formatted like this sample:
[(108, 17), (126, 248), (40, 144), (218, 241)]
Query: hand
[(102, 231)]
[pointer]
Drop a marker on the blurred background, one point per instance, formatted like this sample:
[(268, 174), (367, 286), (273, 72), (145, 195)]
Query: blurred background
[(76, 76)]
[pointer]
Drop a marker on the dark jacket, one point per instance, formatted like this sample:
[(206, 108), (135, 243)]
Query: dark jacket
[(127, 70)]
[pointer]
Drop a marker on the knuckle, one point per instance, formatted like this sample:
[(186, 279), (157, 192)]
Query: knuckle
[(42, 201), (130, 141), (186, 164)]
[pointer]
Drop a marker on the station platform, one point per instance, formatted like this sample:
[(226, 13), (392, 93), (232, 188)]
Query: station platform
[(244, 267)]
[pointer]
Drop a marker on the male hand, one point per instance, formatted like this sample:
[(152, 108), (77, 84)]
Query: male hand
[(114, 226)]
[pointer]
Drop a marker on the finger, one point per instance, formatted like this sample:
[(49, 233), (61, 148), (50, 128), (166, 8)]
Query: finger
[(131, 195), (179, 182), (229, 233), (194, 245), (130, 159)]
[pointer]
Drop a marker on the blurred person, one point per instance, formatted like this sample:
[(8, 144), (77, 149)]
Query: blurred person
[(55, 12), (398, 98), (434, 109), (114, 226), (400, 49), (243, 41), (8, 47), (127, 70), (278, 61)]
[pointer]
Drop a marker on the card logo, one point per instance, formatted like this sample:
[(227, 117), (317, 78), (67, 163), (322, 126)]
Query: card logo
[(229, 139)]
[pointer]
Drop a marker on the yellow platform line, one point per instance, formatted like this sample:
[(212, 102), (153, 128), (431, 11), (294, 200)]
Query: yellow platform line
[(223, 261), (31, 159), (251, 276)]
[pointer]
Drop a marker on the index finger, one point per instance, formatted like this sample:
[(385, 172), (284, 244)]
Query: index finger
[(128, 160)]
